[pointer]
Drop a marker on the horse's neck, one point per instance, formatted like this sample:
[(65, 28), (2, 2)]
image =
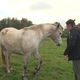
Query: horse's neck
[(43, 30), (46, 33)]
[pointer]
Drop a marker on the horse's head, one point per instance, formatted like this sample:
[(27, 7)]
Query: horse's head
[(56, 34)]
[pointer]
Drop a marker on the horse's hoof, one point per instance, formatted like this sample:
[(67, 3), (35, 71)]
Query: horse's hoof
[(35, 73), (24, 78), (8, 71), (11, 69)]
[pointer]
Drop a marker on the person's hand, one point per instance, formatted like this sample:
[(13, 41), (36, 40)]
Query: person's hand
[(66, 57)]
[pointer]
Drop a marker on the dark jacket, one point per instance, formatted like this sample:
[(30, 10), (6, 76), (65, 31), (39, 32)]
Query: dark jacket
[(73, 44)]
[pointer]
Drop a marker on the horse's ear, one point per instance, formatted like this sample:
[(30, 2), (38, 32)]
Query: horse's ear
[(57, 25)]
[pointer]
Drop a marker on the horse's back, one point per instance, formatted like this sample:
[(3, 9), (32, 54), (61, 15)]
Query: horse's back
[(16, 40), (9, 34), (7, 31), (9, 37)]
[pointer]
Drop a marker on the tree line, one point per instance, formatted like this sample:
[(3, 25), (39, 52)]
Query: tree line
[(14, 22)]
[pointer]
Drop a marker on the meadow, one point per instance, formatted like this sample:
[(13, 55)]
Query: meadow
[(54, 67)]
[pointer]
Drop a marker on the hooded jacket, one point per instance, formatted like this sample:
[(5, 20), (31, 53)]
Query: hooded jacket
[(73, 44)]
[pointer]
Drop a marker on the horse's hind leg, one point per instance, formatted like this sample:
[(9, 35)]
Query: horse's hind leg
[(25, 70), (6, 61), (3, 59), (39, 62)]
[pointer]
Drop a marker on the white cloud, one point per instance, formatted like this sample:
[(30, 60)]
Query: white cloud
[(41, 11), (40, 6)]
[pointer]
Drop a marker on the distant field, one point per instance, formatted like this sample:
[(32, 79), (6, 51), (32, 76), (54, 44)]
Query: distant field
[(54, 67)]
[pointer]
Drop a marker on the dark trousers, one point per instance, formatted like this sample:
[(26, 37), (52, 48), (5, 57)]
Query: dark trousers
[(76, 69)]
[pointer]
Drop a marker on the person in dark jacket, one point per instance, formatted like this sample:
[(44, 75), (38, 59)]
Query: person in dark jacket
[(72, 52)]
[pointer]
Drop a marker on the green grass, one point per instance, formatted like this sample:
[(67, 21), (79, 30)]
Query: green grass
[(55, 66)]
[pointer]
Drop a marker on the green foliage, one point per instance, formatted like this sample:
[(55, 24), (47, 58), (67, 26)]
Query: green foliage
[(8, 22), (55, 66), (64, 33), (25, 22)]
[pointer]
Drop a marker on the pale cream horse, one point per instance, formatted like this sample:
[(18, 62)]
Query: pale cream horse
[(26, 41)]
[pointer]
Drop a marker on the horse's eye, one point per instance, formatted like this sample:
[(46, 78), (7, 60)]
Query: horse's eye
[(60, 33)]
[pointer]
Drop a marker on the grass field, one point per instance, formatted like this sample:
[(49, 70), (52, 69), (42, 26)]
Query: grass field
[(55, 66)]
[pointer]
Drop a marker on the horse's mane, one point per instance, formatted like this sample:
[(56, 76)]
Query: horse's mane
[(34, 27), (40, 26)]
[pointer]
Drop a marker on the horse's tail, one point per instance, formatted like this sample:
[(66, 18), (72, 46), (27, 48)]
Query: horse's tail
[(0, 43), (0, 40), (3, 32)]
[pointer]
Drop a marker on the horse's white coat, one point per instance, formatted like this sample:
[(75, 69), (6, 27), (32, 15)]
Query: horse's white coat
[(27, 40)]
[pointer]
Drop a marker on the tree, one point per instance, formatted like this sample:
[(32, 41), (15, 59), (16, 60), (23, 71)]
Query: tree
[(64, 33), (14, 22), (29, 23), (3, 23), (25, 22)]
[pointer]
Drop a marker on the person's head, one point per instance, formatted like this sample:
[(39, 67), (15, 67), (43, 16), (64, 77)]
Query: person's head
[(70, 24)]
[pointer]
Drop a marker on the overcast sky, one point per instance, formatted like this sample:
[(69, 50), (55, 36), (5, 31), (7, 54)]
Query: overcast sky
[(41, 11)]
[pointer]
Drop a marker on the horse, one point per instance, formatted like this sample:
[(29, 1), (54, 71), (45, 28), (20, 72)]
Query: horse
[(26, 41)]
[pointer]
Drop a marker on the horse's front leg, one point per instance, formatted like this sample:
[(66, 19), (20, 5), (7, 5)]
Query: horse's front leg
[(25, 70), (39, 62)]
